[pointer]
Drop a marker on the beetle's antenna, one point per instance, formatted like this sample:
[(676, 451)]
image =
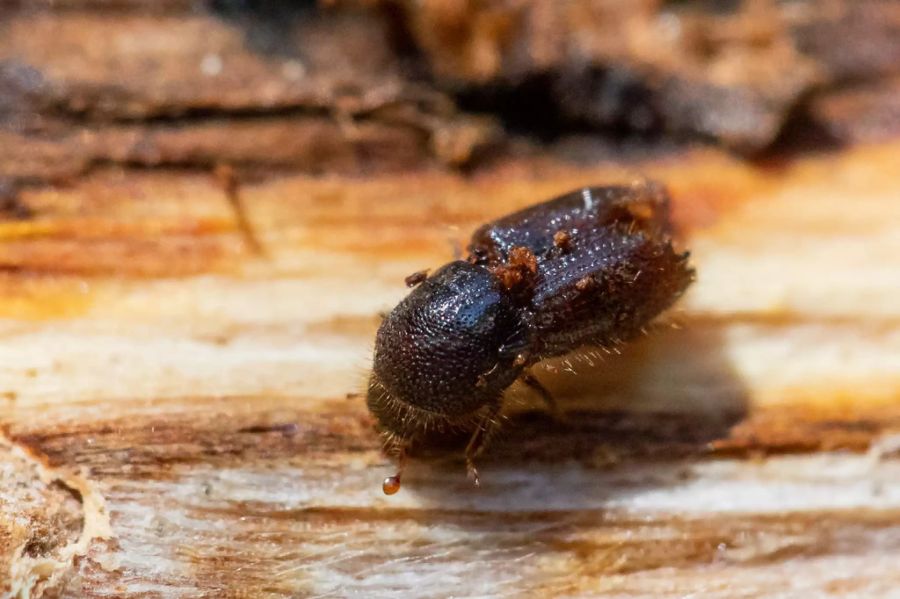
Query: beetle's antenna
[(230, 184)]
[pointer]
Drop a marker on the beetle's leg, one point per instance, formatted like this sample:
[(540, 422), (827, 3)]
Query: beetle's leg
[(541, 390), (480, 439)]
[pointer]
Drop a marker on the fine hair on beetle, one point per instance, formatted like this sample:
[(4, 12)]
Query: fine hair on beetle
[(592, 267)]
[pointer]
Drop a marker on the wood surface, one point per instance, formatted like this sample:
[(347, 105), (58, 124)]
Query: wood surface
[(182, 412), (183, 417)]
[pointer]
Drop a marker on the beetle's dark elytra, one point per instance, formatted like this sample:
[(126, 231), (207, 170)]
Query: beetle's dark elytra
[(591, 267)]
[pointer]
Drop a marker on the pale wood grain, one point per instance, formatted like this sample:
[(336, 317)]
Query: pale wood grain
[(200, 400)]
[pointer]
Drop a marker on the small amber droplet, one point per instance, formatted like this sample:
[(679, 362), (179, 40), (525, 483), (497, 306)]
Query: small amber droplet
[(391, 485)]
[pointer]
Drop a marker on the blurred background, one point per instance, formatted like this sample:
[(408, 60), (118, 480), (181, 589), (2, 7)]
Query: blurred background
[(361, 85)]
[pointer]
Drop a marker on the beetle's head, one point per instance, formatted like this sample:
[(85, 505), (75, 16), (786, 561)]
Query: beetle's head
[(444, 353)]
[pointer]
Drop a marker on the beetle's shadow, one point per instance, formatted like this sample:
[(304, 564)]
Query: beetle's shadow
[(659, 404)]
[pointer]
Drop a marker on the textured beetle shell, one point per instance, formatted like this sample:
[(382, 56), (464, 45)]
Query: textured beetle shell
[(580, 213), (443, 336), (604, 291), (618, 271), (450, 347)]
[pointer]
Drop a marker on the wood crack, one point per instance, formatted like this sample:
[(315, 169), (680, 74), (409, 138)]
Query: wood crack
[(37, 565)]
